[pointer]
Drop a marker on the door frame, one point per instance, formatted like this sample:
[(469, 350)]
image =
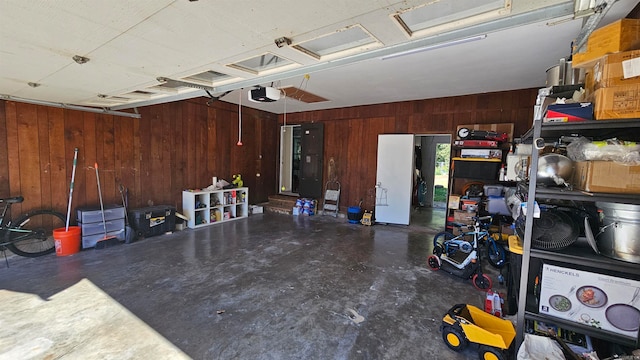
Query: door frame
[(283, 166), (430, 154)]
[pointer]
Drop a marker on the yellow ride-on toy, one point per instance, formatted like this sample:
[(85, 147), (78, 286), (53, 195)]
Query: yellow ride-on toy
[(465, 324)]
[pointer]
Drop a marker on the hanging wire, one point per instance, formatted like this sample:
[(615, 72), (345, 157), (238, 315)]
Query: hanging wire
[(240, 120), (285, 109), (304, 81)]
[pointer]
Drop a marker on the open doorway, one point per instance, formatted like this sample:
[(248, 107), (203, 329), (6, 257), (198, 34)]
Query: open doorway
[(431, 180), (290, 155)]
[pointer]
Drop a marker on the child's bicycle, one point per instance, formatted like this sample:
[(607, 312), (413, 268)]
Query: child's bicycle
[(32, 234), (459, 255)]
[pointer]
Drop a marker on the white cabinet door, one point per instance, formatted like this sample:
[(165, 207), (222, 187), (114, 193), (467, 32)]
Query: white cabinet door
[(394, 180)]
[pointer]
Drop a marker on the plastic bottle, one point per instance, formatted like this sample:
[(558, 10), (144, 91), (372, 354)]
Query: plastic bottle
[(488, 303), (497, 305), (503, 173)]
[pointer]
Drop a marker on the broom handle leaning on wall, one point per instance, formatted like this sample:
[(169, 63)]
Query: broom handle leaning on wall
[(104, 222), (73, 177)]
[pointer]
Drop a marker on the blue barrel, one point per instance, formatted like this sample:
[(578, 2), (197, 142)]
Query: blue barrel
[(354, 214)]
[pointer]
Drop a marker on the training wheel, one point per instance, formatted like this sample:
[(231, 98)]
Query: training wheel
[(482, 282), (434, 262)]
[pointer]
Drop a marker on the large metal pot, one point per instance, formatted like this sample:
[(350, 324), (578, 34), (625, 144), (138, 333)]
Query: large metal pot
[(619, 236), (554, 169), (564, 74)]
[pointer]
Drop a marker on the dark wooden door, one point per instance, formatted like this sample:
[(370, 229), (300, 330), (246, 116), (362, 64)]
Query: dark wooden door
[(311, 161)]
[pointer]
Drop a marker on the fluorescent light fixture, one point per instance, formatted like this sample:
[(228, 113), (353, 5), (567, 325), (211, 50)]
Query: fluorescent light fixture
[(435, 46)]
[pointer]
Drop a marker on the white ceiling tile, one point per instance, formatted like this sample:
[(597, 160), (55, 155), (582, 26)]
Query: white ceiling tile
[(131, 43)]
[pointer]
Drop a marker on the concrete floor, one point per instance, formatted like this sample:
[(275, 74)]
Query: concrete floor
[(267, 287)]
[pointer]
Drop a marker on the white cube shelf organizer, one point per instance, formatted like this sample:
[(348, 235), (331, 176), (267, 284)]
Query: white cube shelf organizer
[(204, 207)]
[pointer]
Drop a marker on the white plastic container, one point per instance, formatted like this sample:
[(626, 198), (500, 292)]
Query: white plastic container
[(493, 190), (497, 205)]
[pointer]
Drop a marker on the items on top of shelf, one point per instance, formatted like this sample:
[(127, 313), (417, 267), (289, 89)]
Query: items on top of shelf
[(237, 180), (502, 132), (621, 35)]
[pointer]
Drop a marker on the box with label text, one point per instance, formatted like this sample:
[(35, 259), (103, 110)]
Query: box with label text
[(619, 102), (611, 70), (592, 299)]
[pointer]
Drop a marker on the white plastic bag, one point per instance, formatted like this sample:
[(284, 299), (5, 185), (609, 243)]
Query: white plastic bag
[(536, 347)]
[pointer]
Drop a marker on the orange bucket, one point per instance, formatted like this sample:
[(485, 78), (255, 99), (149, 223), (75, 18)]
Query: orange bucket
[(67, 242)]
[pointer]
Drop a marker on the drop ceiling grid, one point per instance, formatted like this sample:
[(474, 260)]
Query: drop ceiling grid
[(52, 33), (426, 76)]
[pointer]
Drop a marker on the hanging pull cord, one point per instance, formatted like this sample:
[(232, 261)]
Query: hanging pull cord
[(240, 120)]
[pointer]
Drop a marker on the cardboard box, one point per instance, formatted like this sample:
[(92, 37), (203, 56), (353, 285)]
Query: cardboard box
[(606, 177), (617, 69), (457, 231), (507, 229), (590, 299), (454, 202), (464, 217), (620, 102), (256, 209), (621, 35)]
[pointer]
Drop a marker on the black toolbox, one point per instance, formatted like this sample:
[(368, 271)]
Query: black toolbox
[(152, 221)]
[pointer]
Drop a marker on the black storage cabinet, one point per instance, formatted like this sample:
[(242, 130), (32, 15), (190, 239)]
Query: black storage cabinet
[(152, 221)]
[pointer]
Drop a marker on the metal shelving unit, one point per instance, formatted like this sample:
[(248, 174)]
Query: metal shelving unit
[(579, 254)]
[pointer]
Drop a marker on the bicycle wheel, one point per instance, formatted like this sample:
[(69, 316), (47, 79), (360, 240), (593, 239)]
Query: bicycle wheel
[(438, 241), (35, 233), (496, 255)]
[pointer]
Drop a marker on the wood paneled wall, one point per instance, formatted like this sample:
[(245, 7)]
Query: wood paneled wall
[(351, 134), (182, 145), (172, 147)]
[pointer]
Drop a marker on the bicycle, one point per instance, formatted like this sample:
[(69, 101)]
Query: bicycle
[(463, 254), (32, 234)]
